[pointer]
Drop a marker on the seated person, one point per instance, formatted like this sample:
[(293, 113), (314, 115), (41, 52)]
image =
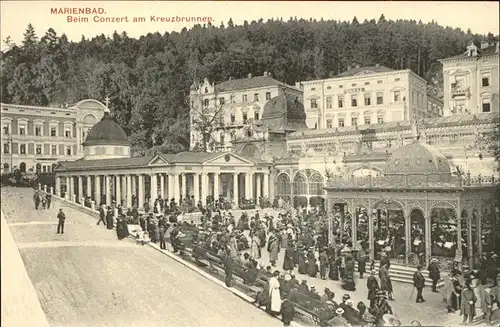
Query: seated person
[(251, 274)]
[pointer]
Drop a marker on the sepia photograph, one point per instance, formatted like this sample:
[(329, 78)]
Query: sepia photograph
[(250, 163)]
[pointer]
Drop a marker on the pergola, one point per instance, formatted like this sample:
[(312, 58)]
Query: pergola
[(456, 219)]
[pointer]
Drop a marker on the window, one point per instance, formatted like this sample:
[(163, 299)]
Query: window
[(341, 102), (206, 102), (353, 84), (22, 130), (38, 149), (233, 118), (256, 116), (341, 86), (367, 120), (54, 150), (329, 123), (341, 122), (22, 148), (206, 90), (67, 132), (222, 138), (268, 95), (313, 89), (6, 129), (328, 87), (328, 102), (396, 80), (53, 131), (486, 105), (380, 120), (221, 101), (314, 104), (44, 169), (380, 97), (413, 98), (368, 99), (354, 121), (397, 96), (354, 100), (38, 130), (244, 98), (256, 97), (379, 82), (485, 81), (245, 118), (367, 83), (68, 150), (6, 148)]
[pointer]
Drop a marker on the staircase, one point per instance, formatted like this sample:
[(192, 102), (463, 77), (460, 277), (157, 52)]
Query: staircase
[(404, 274)]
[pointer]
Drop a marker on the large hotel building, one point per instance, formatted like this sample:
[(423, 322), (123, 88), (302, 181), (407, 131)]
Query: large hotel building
[(36, 138)]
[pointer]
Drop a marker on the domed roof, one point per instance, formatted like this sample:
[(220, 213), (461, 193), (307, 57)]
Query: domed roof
[(417, 158), (106, 132), (284, 112)]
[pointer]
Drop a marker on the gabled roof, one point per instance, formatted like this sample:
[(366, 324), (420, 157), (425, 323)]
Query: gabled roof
[(249, 83), (489, 51), (103, 163), (371, 69)]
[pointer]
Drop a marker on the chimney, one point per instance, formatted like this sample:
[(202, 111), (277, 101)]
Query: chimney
[(249, 75), (265, 74), (377, 65), (269, 74), (484, 45), (357, 66)]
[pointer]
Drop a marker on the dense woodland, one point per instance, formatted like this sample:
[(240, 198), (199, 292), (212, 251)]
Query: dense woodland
[(148, 79)]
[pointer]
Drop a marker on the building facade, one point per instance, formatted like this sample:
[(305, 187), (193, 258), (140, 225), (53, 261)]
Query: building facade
[(36, 138), (231, 106), (471, 81), (366, 96)]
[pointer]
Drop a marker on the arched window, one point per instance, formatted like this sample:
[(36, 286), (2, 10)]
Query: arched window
[(299, 184), (284, 187), (316, 184), (22, 167), (6, 167)]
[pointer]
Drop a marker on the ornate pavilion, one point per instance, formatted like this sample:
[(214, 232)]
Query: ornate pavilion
[(419, 206)]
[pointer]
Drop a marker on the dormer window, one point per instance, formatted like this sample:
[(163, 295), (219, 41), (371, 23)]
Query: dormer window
[(206, 90)]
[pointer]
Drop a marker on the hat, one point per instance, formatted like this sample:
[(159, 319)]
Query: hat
[(348, 302), (313, 287), (391, 320), (346, 297), (434, 260), (327, 289), (339, 311)]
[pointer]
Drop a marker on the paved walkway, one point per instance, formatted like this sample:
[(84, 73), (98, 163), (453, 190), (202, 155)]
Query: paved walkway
[(20, 305)]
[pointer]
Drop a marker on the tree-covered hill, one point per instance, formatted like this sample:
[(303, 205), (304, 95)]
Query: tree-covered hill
[(148, 79)]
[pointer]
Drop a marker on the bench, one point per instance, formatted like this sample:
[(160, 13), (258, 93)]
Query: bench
[(306, 306)]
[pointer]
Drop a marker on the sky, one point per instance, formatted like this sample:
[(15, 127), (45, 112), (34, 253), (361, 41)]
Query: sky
[(480, 17)]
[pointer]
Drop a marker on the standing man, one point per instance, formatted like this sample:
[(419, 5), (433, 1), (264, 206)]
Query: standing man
[(228, 267), (61, 216), (419, 283), (36, 199), (49, 200), (102, 216), (434, 274), (362, 264)]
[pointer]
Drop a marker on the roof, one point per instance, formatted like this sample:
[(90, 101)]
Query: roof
[(417, 158), (447, 121), (489, 51), (284, 112), (371, 69), (144, 161), (250, 83), (106, 132)]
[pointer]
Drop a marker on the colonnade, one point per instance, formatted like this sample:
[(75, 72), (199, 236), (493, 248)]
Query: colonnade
[(195, 185)]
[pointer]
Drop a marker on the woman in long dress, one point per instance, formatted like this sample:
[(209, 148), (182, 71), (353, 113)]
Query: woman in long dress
[(255, 247), (468, 305), (274, 294)]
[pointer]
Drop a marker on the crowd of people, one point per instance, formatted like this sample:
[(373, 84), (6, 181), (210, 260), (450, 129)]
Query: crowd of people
[(303, 233)]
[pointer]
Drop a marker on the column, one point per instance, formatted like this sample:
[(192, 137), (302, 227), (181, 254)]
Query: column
[(170, 186), (97, 190), (266, 185), (216, 186), (58, 186), (370, 231), (89, 186), (118, 190), (154, 188), (354, 221), (258, 187), (177, 193), (428, 240), (459, 252), (107, 189), (408, 235), (162, 186), (140, 196), (196, 186), (236, 195), (134, 184), (250, 186), (184, 186), (128, 194), (124, 189), (67, 194), (80, 188), (204, 185)]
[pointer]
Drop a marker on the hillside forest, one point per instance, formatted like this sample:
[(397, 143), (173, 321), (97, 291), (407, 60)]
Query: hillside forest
[(148, 79)]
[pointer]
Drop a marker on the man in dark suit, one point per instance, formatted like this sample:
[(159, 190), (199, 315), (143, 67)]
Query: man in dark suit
[(434, 274), (419, 283), (61, 216), (228, 267), (102, 216)]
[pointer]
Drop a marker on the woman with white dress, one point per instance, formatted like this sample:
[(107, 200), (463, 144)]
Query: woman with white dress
[(274, 294)]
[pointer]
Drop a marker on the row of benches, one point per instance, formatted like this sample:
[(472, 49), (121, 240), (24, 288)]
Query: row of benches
[(304, 305)]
